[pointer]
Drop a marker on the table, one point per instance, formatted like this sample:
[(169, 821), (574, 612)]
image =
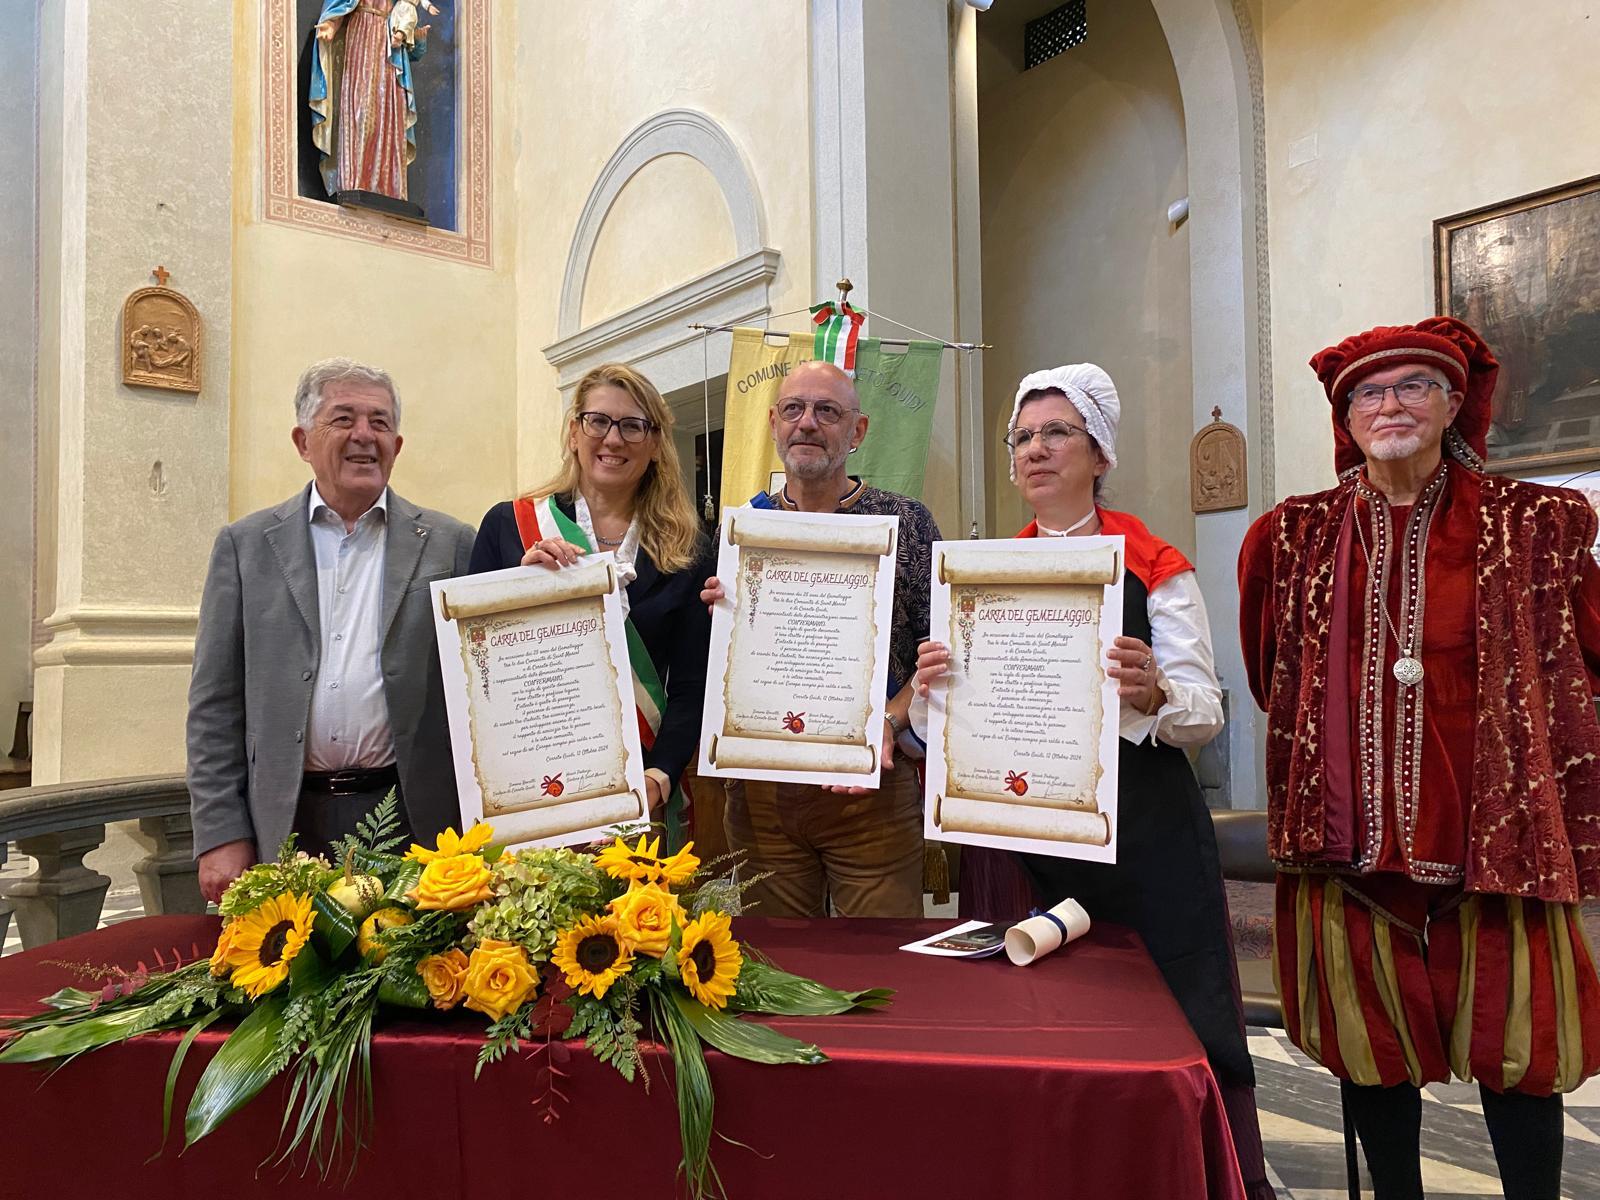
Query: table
[(1075, 1077)]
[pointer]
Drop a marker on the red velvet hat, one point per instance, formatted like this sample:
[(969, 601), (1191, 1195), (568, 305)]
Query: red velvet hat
[(1445, 343)]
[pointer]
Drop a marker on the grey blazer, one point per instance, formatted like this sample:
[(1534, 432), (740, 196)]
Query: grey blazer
[(255, 665)]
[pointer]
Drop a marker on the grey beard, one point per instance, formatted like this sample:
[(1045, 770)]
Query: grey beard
[(813, 469), (1392, 449)]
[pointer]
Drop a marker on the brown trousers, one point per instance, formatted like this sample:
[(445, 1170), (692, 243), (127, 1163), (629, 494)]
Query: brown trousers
[(862, 852)]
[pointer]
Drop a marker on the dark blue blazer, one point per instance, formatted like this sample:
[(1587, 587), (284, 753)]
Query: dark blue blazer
[(665, 609)]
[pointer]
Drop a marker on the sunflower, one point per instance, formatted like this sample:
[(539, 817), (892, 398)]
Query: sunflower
[(450, 844), (219, 957), (643, 863), (709, 959), (262, 943), (592, 954)]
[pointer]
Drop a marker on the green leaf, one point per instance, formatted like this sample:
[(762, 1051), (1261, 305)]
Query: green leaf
[(404, 880), (309, 973), (61, 1041), (70, 997), (178, 1056), (240, 1069), (763, 988), (745, 1039), (696, 1103), (334, 923), (404, 989)]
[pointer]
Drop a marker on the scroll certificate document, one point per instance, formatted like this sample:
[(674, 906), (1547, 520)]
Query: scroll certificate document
[(800, 648), (1022, 735), (540, 697)]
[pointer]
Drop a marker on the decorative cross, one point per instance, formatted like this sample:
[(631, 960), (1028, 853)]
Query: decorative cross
[(162, 275), (1216, 412)]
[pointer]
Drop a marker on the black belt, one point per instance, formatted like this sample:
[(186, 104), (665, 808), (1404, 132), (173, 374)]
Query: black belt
[(352, 782)]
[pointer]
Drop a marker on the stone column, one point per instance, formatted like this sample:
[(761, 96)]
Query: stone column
[(136, 171), (893, 118)]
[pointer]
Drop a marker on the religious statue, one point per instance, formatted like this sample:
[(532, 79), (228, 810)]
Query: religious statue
[(363, 103)]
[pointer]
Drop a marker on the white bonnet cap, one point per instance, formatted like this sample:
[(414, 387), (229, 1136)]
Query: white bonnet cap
[(1090, 391)]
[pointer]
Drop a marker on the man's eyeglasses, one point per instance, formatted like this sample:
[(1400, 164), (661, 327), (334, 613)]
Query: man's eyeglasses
[(825, 411), (1053, 436), (632, 429), (1413, 393)]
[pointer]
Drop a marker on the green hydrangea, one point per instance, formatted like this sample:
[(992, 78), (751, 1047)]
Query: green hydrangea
[(296, 873), (540, 893)]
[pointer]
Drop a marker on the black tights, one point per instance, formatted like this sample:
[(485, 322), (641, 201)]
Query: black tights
[(1526, 1132)]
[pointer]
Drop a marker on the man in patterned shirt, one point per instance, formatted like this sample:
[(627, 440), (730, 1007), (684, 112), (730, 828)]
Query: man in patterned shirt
[(862, 849)]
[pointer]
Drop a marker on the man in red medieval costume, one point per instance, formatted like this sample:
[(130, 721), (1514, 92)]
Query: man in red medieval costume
[(1425, 639)]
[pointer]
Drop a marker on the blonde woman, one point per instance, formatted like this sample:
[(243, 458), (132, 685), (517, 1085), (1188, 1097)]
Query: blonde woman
[(620, 488)]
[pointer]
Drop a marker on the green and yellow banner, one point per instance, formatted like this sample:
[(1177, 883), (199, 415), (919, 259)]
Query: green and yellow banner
[(898, 391)]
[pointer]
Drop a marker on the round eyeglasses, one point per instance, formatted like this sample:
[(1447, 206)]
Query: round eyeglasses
[(827, 412), (1053, 436)]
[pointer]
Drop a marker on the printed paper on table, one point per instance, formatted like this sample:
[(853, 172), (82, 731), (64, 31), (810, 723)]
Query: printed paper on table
[(540, 697), (800, 647), (1022, 732)]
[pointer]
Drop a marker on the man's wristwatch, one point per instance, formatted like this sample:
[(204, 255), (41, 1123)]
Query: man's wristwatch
[(893, 723)]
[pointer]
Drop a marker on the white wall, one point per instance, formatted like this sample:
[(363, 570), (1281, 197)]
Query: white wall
[(1382, 117), (18, 170), (1079, 158)]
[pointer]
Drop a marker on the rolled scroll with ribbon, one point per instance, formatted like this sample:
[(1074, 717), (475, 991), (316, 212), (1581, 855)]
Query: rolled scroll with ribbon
[(1030, 940)]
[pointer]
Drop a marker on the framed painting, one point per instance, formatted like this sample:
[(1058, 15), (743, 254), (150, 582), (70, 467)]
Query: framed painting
[(1526, 275)]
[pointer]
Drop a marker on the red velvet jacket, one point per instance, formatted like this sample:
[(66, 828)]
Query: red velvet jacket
[(1533, 820)]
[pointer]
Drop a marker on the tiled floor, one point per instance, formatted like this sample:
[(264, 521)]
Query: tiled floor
[(1302, 1130), (1301, 1125)]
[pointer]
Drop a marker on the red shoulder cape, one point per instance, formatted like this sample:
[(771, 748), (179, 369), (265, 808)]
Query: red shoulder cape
[(1151, 559)]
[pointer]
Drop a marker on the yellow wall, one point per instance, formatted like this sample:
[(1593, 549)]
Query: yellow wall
[(1382, 117), (742, 64), (1079, 159), (446, 331), (670, 223)]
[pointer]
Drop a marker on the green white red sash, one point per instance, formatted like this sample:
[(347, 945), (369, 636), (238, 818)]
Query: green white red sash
[(838, 331), (543, 518)]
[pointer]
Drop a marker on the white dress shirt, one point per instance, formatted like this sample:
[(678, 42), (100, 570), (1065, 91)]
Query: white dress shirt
[(1180, 642), (349, 716)]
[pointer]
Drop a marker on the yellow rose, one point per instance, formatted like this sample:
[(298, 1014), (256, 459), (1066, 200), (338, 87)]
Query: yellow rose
[(452, 884), (644, 918), (442, 975), (499, 979)]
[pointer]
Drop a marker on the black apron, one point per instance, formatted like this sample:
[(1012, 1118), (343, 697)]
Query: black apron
[(1166, 883)]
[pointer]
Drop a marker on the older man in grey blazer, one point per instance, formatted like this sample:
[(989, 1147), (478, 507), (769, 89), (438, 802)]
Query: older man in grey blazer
[(316, 687)]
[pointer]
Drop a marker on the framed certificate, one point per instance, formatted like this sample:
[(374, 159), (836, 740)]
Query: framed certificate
[(800, 647), (540, 698), (1022, 732)]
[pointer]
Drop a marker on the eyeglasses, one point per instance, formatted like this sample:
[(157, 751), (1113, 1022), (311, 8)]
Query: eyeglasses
[(633, 429), (1053, 436), (825, 411), (1413, 393)]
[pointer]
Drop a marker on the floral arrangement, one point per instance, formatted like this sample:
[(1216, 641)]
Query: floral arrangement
[(544, 944)]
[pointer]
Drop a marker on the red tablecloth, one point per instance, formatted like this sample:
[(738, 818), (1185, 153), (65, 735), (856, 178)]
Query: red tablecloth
[(1076, 1077)]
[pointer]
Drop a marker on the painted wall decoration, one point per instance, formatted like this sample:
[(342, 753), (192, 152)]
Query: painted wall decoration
[(161, 338), (418, 110), (1526, 274)]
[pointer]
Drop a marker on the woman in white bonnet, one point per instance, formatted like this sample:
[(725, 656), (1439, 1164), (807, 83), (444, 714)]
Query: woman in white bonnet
[(1167, 882)]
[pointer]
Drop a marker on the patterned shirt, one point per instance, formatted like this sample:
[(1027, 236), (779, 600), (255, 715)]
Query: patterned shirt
[(913, 568)]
